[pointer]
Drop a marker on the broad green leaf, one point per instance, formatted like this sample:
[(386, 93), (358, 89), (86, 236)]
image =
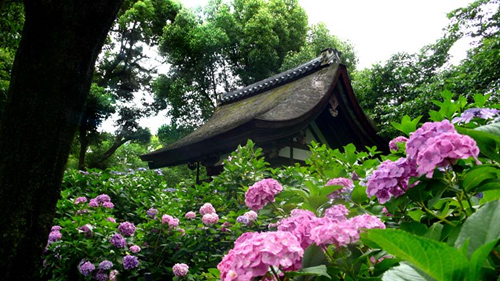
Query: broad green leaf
[(414, 227), (327, 189), (407, 125), (320, 270), (490, 195), (358, 194), (486, 142), (490, 184), (478, 174), (481, 228), (434, 231), (313, 256), (317, 201), (478, 258), (406, 272), (416, 214), (436, 259), (493, 129)]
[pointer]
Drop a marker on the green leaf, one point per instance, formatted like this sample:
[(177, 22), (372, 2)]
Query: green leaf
[(327, 189), (406, 272), (434, 231), (493, 129), (313, 257), (407, 125), (436, 259), (320, 270), (481, 228), (317, 201), (487, 142), (358, 194), (477, 175), (414, 227), (478, 258)]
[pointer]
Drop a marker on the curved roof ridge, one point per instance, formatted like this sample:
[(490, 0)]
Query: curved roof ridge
[(327, 57)]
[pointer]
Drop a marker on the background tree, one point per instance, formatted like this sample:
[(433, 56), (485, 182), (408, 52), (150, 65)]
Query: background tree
[(124, 73), (50, 81), (319, 38), (11, 24), (224, 46)]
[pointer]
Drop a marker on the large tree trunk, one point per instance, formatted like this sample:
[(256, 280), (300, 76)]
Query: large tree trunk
[(50, 81)]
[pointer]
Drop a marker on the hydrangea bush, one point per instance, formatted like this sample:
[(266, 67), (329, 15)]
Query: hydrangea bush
[(429, 209)]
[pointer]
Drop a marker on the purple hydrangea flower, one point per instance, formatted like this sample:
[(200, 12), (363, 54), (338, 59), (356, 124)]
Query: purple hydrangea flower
[(86, 267), (108, 205), (130, 262), (243, 220), (54, 236), (118, 241), (56, 228), (390, 179), (152, 212), (93, 203), (126, 228), (103, 198), (101, 276), (469, 114), (79, 200), (180, 269), (105, 265)]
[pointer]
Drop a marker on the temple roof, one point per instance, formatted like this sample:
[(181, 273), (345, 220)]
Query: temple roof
[(275, 108)]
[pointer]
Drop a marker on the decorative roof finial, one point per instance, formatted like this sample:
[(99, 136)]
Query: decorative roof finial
[(329, 56)]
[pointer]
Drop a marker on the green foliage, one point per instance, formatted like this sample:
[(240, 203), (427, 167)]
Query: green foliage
[(223, 46), (319, 38), (439, 228)]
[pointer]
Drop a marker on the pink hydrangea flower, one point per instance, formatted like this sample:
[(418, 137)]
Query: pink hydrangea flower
[(347, 184), (180, 269), (342, 233), (443, 150), (111, 219), (251, 215), (254, 253), (190, 215), (393, 144), (300, 224), (261, 193), (207, 208), (135, 249), (337, 212), (210, 219), (171, 221)]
